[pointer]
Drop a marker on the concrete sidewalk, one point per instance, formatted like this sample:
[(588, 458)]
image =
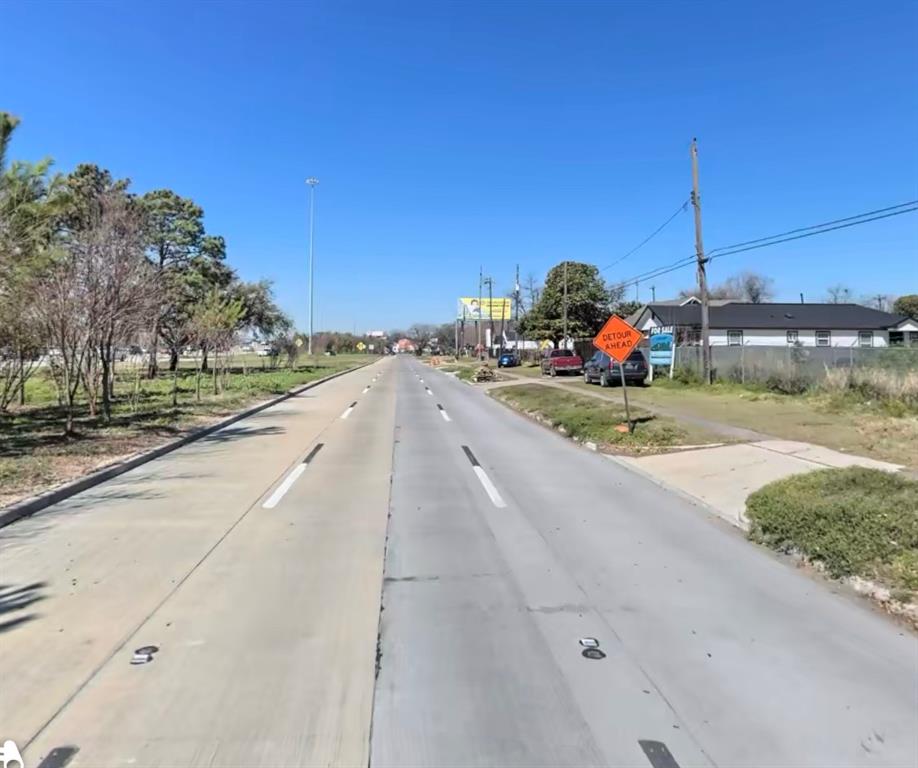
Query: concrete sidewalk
[(722, 477)]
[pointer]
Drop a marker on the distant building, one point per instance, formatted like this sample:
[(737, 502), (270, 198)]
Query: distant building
[(736, 323)]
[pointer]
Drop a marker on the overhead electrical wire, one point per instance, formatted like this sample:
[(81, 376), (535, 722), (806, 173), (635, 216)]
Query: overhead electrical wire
[(781, 237), (682, 207)]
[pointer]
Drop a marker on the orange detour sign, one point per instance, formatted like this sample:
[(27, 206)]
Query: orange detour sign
[(617, 339)]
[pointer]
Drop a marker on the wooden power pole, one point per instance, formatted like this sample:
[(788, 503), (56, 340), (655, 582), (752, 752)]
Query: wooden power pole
[(565, 304), (702, 274)]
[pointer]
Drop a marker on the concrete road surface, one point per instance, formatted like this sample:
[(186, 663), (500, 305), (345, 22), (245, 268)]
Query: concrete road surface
[(258, 560)]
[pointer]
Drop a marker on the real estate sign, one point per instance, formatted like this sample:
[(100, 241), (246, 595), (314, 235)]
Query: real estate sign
[(661, 349)]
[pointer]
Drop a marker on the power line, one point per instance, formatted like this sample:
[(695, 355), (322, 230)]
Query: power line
[(682, 207), (764, 242), (815, 226), (730, 250)]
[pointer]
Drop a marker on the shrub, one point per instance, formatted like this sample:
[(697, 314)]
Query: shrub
[(855, 521), (685, 374), (787, 383), (896, 389)]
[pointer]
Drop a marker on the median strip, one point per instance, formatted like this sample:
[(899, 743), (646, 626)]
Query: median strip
[(483, 478)]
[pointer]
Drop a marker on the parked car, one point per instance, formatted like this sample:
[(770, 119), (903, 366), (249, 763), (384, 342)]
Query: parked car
[(558, 361), (603, 369), (508, 359)]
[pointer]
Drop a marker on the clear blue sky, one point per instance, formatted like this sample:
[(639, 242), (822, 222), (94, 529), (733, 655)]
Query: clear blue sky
[(446, 135)]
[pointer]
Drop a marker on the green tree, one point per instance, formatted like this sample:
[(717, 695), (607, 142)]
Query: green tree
[(589, 304), (907, 305), (28, 205), (212, 326), (177, 245)]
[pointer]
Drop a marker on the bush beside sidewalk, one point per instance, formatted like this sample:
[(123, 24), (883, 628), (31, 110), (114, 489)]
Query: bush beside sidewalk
[(854, 523)]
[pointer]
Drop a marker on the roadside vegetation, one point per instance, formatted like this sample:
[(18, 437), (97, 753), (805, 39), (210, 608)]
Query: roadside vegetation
[(587, 419), (865, 411), (35, 452), (854, 522)]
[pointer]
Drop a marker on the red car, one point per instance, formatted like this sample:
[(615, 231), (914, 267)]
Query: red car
[(558, 361)]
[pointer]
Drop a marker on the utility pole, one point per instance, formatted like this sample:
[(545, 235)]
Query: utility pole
[(702, 274), (516, 310), (312, 262), (490, 282), (478, 319), (565, 303)]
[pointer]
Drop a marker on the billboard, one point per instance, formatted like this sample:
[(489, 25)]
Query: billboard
[(484, 309)]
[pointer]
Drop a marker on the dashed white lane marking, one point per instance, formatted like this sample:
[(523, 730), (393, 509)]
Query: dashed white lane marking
[(348, 410), (496, 499), (483, 478), (284, 487)]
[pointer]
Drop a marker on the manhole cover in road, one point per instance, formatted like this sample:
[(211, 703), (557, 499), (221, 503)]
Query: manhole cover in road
[(592, 653)]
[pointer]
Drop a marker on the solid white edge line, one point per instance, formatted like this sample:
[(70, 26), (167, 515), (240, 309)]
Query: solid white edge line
[(489, 487), (445, 415), (347, 411), (284, 487)]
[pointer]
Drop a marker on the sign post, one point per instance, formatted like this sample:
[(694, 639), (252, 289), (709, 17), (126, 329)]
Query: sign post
[(618, 339)]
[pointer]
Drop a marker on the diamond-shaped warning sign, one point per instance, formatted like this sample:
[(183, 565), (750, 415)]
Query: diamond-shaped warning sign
[(617, 339)]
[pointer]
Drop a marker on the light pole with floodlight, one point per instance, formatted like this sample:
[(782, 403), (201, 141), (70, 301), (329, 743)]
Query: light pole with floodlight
[(312, 261)]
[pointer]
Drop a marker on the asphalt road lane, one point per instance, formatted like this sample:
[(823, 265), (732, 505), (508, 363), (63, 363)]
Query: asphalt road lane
[(714, 647)]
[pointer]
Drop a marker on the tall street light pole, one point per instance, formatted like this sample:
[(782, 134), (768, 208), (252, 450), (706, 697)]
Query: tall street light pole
[(312, 260)]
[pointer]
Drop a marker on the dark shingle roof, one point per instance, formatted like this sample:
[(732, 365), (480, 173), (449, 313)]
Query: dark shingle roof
[(781, 316)]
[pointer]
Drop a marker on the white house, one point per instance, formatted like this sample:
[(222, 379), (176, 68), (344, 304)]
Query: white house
[(734, 323)]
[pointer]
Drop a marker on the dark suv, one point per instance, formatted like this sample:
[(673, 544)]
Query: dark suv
[(605, 370)]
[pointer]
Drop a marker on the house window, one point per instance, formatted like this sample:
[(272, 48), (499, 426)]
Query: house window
[(734, 338), (865, 338), (823, 338), (792, 337)]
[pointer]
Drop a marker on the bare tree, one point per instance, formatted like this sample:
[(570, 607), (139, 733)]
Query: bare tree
[(61, 305), (838, 294), (531, 293), (121, 289), (748, 286)]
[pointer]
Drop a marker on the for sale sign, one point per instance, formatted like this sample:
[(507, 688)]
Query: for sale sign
[(617, 339)]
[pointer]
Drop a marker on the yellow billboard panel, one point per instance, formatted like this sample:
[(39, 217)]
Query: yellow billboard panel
[(484, 309)]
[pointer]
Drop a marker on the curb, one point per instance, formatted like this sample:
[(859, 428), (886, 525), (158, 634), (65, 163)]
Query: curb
[(34, 504)]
